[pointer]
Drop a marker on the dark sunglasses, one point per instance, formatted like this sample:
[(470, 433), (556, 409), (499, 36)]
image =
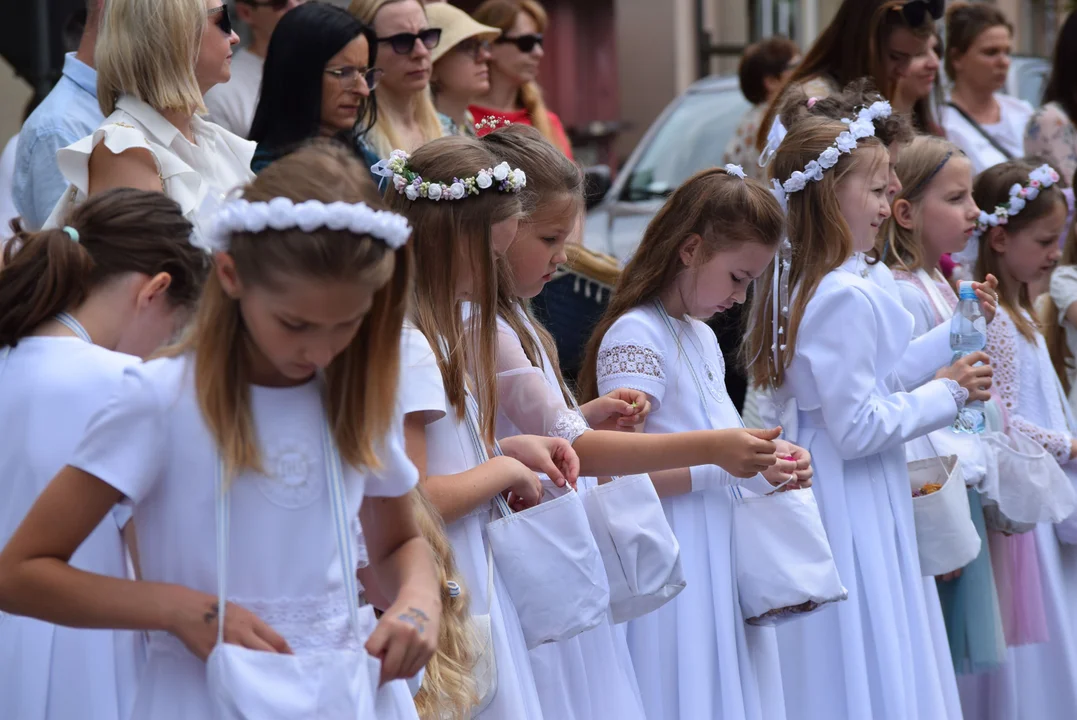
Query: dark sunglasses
[(221, 18), (915, 11), (403, 43), (524, 43), (348, 77)]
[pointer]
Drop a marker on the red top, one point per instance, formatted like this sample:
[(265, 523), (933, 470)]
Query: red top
[(522, 117)]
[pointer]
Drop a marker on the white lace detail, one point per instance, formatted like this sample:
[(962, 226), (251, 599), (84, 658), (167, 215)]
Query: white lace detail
[(961, 395), (635, 359), (309, 624), (568, 426), (1005, 348)]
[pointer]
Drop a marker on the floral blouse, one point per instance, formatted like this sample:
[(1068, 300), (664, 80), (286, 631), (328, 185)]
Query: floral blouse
[(1052, 136)]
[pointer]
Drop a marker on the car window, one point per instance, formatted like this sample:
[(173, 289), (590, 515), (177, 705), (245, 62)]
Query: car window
[(692, 138)]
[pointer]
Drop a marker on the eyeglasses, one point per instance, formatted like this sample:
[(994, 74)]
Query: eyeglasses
[(221, 18), (348, 76), (473, 47), (524, 43), (277, 5), (403, 43), (914, 11)]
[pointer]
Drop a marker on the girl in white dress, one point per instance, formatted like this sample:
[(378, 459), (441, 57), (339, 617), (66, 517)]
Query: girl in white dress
[(1059, 316), (590, 676), (1038, 680), (831, 360), (695, 657), (286, 384), (121, 275), (155, 60), (449, 415)]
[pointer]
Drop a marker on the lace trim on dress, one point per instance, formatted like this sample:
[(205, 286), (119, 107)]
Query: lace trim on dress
[(961, 395), (568, 426), (633, 359)]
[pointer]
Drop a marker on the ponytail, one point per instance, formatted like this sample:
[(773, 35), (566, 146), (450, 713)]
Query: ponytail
[(114, 233)]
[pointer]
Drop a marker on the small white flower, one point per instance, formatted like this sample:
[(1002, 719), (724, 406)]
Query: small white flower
[(829, 158), (399, 181), (845, 142), (457, 191), (279, 213), (411, 192), (813, 171), (1032, 193), (434, 191), (880, 109), (1015, 190), (861, 128), (309, 216), (519, 178), (1016, 205), (735, 171), (399, 155), (796, 182), (483, 179), (502, 171), (338, 215)]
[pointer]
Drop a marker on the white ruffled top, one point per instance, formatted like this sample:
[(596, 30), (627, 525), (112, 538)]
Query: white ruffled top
[(197, 175)]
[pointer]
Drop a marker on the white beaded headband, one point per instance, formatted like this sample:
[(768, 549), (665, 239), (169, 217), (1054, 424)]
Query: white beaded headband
[(310, 215), (413, 186), (1039, 179)]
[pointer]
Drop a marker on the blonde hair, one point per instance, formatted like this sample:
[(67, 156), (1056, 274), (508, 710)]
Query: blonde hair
[(448, 691), (502, 14), (148, 49), (382, 136), (820, 237), (992, 188), (918, 165), (549, 173), (723, 210), (361, 381), (451, 238)]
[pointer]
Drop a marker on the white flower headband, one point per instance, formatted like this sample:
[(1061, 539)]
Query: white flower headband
[(411, 184), (310, 215), (1039, 179)]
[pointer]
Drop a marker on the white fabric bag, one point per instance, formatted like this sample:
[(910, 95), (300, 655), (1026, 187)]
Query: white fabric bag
[(945, 535), (641, 555), (484, 671), (249, 684), (1030, 487), (785, 567)]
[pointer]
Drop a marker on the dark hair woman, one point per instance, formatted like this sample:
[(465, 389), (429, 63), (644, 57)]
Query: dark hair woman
[(318, 82)]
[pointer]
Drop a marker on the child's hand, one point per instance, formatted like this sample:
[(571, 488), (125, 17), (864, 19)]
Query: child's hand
[(782, 474), (988, 294), (195, 624), (406, 636), (971, 376), (622, 409), (804, 472), (525, 488), (744, 452), (552, 456)]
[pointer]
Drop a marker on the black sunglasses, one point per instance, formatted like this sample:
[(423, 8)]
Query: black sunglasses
[(524, 43), (915, 11), (223, 19), (403, 43), (274, 4)]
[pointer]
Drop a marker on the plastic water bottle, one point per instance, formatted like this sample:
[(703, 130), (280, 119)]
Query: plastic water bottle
[(968, 334)]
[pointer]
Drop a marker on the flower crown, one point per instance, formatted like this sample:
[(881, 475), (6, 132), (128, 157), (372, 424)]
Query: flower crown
[(863, 126), (490, 123), (408, 182), (283, 214), (1039, 179)]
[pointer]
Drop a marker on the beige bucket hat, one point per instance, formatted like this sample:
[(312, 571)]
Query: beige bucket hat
[(456, 26)]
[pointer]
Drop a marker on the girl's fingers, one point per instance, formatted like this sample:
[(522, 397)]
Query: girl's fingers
[(273, 638), (252, 641), (390, 664)]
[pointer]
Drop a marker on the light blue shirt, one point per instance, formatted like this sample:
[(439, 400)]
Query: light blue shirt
[(69, 113)]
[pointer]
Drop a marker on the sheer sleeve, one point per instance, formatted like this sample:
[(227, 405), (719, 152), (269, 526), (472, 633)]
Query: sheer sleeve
[(1051, 136), (631, 356), (862, 421), (1003, 349), (525, 398)]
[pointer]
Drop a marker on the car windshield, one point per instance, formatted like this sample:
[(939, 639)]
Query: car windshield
[(692, 138)]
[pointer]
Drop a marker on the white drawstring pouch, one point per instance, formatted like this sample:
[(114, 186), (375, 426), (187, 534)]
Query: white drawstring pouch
[(945, 535), (639, 551), (785, 566), (247, 684), (551, 565), (1030, 487)]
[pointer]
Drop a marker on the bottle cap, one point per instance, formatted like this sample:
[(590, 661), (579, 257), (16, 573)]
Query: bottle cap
[(966, 291)]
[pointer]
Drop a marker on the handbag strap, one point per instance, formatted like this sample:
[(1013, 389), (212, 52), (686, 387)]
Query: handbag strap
[(342, 531), (978, 128), (901, 386), (498, 505)]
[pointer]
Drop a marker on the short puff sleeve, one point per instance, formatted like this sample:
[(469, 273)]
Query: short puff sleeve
[(632, 355), (397, 474), (421, 388)]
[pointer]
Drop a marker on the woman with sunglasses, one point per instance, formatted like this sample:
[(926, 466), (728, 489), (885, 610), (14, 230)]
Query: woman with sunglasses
[(867, 38), (461, 66), (155, 61), (406, 116), (318, 82), (514, 95)]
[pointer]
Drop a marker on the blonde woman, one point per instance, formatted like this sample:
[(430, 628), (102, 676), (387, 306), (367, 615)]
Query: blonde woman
[(155, 60), (406, 116), (514, 95)]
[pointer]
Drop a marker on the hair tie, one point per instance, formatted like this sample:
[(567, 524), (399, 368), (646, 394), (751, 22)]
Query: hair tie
[(71, 232), (454, 588), (812, 101), (735, 171)]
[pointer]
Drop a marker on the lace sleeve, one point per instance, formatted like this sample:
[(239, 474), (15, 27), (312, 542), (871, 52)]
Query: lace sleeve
[(635, 365), (1002, 348)]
